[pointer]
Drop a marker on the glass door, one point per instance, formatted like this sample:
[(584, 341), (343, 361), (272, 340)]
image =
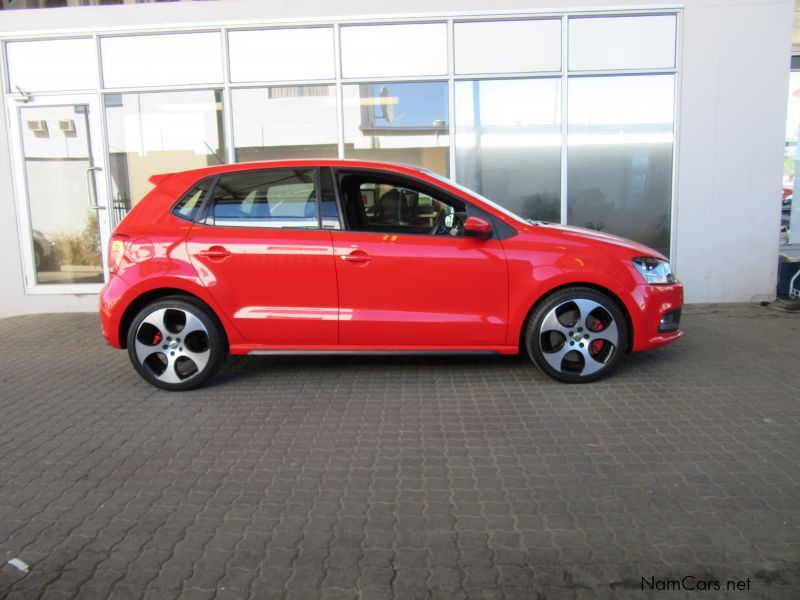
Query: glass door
[(61, 191), (790, 209)]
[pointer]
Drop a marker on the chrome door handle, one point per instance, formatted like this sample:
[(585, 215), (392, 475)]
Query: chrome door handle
[(91, 188)]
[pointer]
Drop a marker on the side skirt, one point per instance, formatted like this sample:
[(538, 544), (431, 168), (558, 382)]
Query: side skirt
[(373, 352)]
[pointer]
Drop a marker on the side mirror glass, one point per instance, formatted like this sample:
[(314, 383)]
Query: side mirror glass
[(476, 227)]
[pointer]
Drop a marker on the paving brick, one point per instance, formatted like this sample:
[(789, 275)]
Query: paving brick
[(380, 477)]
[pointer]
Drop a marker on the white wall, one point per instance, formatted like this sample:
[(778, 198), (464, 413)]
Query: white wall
[(733, 86), (735, 77)]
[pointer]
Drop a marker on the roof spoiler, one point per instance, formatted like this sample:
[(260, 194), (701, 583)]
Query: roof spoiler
[(156, 179)]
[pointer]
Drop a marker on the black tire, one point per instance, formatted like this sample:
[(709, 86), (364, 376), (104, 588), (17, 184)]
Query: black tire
[(155, 342), (576, 335)]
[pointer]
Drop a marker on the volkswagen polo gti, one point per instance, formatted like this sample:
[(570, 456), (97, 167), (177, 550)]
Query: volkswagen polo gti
[(345, 256)]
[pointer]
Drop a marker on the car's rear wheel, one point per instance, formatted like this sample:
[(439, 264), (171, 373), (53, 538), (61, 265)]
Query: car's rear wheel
[(176, 344), (576, 335)]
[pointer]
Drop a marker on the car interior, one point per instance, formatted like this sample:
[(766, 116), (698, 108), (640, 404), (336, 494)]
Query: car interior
[(288, 198), (386, 205)]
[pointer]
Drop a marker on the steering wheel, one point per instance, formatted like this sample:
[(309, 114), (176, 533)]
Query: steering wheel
[(442, 227), (438, 222)]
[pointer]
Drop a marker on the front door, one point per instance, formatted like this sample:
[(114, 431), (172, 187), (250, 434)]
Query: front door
[(408, 276), (61, 189)]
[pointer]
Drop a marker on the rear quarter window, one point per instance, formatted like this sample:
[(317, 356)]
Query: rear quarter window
[(189, 204)]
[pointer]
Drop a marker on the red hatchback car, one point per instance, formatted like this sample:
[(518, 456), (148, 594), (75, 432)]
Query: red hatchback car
[(344, 256)]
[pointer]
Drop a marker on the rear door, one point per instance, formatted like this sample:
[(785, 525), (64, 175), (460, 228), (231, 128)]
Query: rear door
[(262, 251), (401, 283)]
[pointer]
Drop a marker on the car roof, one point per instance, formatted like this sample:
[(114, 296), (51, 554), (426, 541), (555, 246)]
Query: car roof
[(294, 164)]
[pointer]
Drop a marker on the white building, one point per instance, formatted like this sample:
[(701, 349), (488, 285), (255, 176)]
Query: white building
[(660, 122)]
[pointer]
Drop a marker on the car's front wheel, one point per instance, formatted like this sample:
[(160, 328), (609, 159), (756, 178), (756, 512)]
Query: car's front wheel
[(576, 335), (176, 344)]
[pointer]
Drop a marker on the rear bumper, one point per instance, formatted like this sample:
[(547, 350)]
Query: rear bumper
[(111, 309), (657, 319)]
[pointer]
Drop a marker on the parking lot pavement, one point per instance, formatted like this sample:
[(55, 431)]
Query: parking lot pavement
[(403, 477)]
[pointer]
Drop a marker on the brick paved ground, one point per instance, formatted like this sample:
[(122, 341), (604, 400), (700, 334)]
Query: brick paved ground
[(404, 478)]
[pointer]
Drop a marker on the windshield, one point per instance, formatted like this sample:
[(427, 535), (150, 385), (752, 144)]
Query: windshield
[(475, 194)]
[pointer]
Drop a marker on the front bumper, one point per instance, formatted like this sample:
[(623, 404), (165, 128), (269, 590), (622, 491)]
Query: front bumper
[(657, 321), (670, 322)]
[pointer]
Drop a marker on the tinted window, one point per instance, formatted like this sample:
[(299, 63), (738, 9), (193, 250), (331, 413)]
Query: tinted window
[(393, 205), (386, 205), (187, 207), (275, 198)]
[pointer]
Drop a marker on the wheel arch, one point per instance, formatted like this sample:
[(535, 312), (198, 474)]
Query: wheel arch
[(153, 295), (579, 284)]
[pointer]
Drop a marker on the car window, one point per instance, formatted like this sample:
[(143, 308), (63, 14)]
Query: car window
[(189, 204), (386, 205), (276, 198)]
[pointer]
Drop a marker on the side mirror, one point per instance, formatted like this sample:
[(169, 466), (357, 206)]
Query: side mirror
[(475, 227)]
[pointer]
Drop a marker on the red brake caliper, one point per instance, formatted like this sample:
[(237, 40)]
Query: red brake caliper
[(156, 338), (597, 345)]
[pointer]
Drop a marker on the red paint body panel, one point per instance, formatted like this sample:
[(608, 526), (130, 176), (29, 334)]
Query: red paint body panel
[(545, 257), (420, 290), (294, 289), (118, 294), (278, 286)]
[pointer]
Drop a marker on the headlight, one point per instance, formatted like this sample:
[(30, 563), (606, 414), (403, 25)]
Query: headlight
[(654, 270)]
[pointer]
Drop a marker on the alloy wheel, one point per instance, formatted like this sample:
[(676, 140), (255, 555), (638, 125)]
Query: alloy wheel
[(579, 337), (173, 345)]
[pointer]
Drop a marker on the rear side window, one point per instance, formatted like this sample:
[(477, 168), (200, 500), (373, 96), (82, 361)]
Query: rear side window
[(190, 203), (285, 198)]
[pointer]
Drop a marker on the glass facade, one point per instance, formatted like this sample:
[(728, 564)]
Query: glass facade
[(161, 60), (160, 132), (517, 46), (790, 210), (579, 132), (64, 231), (622, 43), (284, 122), (508, 143), (619, 164), (305, 54), (396, 50), (398, 122)]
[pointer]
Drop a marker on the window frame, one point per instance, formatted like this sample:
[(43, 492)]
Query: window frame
[(204, 216), (332, 177)]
